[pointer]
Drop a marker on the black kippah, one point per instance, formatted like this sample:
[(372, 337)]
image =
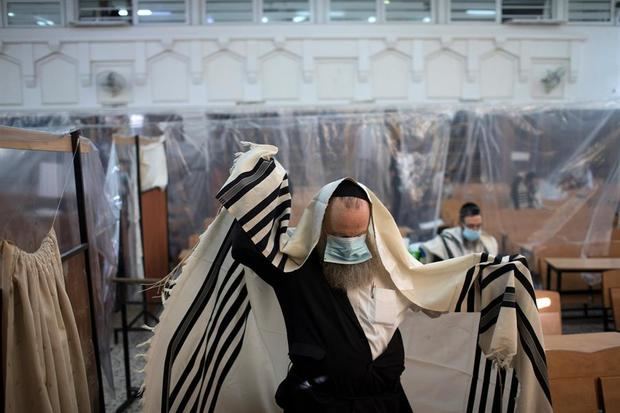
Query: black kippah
[(350, 188)]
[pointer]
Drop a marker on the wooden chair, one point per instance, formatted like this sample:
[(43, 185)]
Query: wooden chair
[(615, 306), (610, 387), (550, 311), (611, 280)]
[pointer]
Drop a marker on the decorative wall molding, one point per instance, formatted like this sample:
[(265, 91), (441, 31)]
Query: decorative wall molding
[(140, 64), (85, 64), (233, 64)]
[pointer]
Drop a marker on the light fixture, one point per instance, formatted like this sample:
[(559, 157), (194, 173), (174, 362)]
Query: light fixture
[(265, 19), (386, 1), (49, 22), (11, 14), (144, 12), (210, 20), (475, 12), (136, 121), (372, 19), (298, 19), (426, 19), (123, 12), (543, 302)]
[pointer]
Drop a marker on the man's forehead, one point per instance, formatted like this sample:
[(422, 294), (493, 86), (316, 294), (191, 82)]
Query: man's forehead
[(473, 219), (348, 220)]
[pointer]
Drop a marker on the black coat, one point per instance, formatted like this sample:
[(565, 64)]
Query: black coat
[(332, 366)]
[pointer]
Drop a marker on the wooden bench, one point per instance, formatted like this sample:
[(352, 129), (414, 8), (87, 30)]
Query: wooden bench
[(577, 363)]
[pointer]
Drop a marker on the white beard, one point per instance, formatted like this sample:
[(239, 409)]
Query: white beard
[(350, 276)]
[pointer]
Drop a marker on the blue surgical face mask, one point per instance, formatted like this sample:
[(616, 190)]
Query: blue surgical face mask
[(470, 234), (339, 250)]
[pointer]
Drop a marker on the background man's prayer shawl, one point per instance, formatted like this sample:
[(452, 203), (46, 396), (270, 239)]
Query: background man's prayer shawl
[(221, 341), (450, 244)]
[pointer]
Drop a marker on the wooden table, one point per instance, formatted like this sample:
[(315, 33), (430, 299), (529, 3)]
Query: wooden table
[(562, 265)]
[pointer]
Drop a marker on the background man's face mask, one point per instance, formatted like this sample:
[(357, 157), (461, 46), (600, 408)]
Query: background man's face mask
[(339, 250), (470, 234)]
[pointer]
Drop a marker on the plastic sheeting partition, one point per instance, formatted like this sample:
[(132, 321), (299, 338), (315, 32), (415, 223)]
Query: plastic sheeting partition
[(400, 155), (546, 177)]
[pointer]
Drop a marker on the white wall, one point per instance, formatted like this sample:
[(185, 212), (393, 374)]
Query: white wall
[(197, 66)]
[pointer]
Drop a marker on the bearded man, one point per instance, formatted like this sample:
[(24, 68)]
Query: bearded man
[(341, 312)]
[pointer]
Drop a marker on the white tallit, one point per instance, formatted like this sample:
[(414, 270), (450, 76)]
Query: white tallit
[(221, 342), (450, 244)]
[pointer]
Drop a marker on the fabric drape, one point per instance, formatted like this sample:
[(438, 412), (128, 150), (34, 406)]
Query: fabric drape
[(44, 365)]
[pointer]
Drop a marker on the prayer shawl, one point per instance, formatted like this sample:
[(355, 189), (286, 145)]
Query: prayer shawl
[(450, 244), (221, 345)]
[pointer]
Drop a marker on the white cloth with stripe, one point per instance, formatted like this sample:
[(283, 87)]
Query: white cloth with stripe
[(450, 244), (221, 343)]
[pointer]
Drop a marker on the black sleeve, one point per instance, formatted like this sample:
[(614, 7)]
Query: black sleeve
[(244, 251)]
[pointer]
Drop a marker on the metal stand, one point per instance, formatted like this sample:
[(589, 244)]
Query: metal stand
[(132, 393), (2, 370), (85, 248), (145, 314)]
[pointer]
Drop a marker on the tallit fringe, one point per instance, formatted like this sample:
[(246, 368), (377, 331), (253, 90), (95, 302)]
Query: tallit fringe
[(500, 360), (145, 343)]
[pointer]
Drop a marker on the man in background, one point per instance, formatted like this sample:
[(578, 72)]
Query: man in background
[(466, 238)]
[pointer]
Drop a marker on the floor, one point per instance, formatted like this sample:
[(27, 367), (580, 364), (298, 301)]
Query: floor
[(114, 399)]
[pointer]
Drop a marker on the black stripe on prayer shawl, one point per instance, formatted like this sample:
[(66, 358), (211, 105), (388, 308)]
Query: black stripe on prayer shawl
[(241, 177), (497, 274), (229, 364), (500, 391), (270, 218), (489, 314), (225, 349), (520, 258), (496, 402), (207, 358), (518, 275), (262, 244), (242, 187), (474, 381), (471, 297), (445, 245), (190, 318), (534, 351), (206, 336), (466, 287), (512, 399), (486, 263), (282, 263), (527, 285), (276, 243), (192, 360), (488, 366), (262, 205)]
